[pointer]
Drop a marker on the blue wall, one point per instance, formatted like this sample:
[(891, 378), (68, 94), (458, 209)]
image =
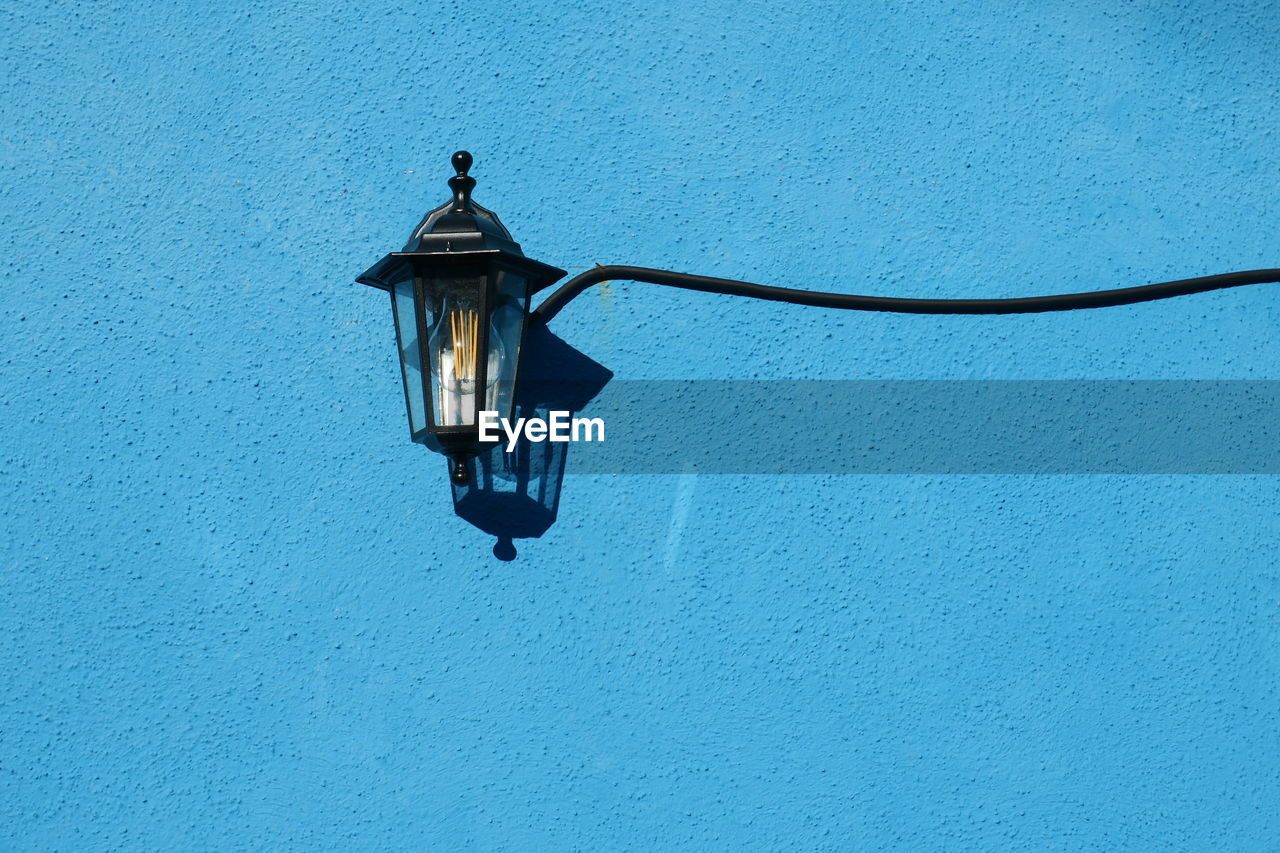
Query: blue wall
[(239, 613)]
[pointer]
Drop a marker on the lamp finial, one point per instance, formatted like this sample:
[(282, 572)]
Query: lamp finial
[(462, 184)]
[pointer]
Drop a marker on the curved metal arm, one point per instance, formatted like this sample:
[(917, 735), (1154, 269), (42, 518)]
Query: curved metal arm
[(1017, 305)]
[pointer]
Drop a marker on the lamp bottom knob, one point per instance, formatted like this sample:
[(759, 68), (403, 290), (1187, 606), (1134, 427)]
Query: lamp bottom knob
[(459, 472)]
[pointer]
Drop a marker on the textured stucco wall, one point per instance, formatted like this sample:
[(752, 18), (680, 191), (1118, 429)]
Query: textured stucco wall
[(238, 613)]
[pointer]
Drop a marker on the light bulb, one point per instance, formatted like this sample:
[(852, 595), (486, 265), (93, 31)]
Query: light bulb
[(455, 343)]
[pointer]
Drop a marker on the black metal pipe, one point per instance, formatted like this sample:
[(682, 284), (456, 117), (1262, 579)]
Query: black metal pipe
[(1017, 305)]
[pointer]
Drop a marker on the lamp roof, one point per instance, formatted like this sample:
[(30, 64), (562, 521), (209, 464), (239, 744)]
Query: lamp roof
[(456, 228)]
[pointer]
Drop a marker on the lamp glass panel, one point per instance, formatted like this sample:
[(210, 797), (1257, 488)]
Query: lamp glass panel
[(506, 332), (410, 353)]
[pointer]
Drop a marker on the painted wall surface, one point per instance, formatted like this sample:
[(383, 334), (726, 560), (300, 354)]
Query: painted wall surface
[(238, 611)]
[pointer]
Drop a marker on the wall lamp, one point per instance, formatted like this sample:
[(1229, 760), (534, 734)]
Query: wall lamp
[(460, 291)]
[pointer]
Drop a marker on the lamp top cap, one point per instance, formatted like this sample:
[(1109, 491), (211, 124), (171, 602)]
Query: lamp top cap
[(460, 224), (458, 227)]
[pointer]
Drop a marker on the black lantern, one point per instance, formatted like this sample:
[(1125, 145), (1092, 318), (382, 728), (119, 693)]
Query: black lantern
[(460, 293)]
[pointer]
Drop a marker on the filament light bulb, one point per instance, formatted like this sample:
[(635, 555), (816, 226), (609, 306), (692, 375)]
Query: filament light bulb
[(456, 345)]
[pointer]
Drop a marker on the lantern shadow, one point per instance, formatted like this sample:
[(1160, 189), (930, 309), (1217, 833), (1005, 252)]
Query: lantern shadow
[(516, 494)]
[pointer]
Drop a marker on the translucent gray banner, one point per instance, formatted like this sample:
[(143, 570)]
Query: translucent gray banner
[(925, 427)]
